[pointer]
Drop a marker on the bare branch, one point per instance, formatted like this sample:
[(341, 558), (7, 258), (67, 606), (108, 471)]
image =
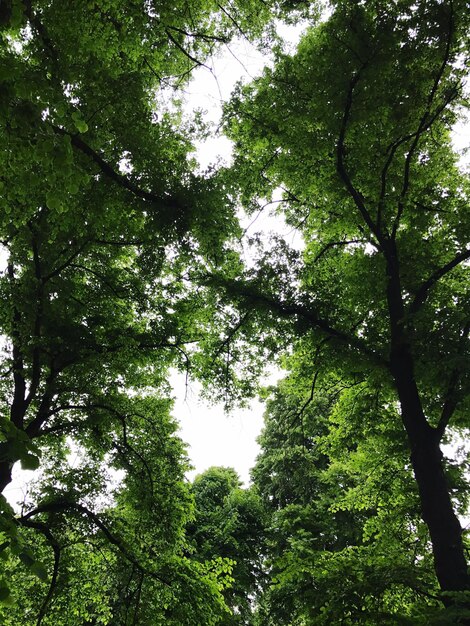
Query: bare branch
[(184, 51), (233, 20), (199, 35)]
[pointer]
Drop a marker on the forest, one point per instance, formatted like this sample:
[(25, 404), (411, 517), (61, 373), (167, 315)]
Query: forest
[(122, 261)]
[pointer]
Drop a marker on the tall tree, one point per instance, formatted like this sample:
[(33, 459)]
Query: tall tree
[(102, 213), (101, 540), (345, 540), (355, 129)]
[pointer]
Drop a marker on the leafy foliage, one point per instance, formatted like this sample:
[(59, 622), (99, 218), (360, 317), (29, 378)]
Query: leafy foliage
[(346, 542), (102, 213), (119, 257), (229, 524), (352, 134)]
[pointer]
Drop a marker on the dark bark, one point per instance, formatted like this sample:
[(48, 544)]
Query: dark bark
[(5, 474), (426, 456), (436, 505)]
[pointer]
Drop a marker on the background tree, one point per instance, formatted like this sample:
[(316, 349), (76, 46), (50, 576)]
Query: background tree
[(102, 213), (346, 543), (86, 551), (229, 523)]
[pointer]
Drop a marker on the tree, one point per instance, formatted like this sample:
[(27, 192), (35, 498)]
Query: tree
[(345, 540), (89, 553), (229, 524), (102, 213), (355, 130)]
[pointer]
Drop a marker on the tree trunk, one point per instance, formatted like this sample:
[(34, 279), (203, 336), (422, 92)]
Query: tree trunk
[(436, 505), (437, 510), (426, 457), (5, 474)]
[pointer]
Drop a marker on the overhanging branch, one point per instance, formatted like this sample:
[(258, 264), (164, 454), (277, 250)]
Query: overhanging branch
[(117, 177), (300, 311), (423, 292), (63, 506)]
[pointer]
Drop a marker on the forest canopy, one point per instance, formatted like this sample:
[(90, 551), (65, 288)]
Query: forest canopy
[(123, 260)]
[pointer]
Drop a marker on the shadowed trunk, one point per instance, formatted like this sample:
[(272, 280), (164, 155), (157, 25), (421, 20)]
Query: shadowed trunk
[(436, 505), (426, 457), (5, 474)]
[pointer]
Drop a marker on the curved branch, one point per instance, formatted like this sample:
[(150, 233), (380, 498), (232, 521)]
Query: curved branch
[(423, 292), (117, 177), (184, 51), (333, 244), (42, 528), (64, 506), (292, 310)]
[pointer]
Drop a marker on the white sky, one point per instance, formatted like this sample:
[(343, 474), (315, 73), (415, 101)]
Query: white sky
[(214, 437)]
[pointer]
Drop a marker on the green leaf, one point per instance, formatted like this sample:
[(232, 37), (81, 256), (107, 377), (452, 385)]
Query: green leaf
[(29, 462), (40, 571), (54, 201), (79, 122), (26, 558), (82, 126), (5, 594)]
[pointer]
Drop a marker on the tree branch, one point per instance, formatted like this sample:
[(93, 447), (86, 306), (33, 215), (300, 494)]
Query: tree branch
[(292, 309), (184, 51), (65, 264), (44, 529), (18, 406), (423, 292), (232, 332), (333, 244), (198, 35), (35, 361), (426, 120), (452, 397), (340, 160), (117, 177), (64, 506)]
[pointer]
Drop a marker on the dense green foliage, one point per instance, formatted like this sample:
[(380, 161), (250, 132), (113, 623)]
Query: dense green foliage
[(121, 261), (346, 542), (229, 523), (351, 136), (102, 214)]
